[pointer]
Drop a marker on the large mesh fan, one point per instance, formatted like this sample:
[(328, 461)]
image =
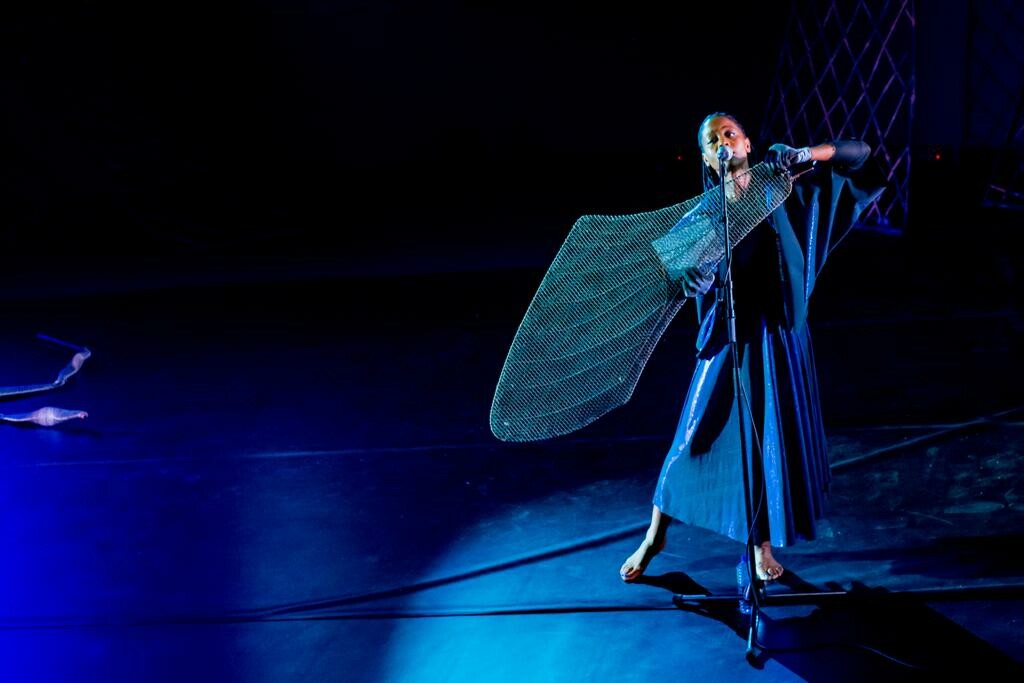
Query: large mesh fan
[(607, 298)]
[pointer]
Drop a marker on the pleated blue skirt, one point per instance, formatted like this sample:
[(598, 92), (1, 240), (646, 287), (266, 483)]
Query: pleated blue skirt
[(701, 481)]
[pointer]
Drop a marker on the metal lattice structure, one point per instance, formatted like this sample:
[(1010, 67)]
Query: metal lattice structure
[(995, 97), (846, 70)]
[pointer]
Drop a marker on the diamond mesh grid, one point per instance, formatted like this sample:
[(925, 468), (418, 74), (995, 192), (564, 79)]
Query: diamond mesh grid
[(607, 298), (846, 70)]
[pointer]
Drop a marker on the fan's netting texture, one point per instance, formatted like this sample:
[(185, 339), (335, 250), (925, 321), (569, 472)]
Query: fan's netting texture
[(611, 291)]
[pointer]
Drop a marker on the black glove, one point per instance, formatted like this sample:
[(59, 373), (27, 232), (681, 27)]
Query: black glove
[(782, 157), (850, 154)]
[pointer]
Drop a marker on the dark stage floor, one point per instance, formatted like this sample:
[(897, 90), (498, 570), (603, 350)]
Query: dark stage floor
[(295, 480)]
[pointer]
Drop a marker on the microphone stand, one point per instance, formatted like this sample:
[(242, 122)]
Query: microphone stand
[(725, 296), (754, 594)]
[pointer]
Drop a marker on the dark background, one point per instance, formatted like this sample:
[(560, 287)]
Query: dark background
[(165, 145), (340, 138)]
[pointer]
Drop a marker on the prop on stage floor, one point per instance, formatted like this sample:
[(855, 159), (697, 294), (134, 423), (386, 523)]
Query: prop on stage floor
[(607, 298), (49, 416)]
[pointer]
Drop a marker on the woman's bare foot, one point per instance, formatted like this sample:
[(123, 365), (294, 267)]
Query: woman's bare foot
[(768, 568), (653, 543), (636, 564)]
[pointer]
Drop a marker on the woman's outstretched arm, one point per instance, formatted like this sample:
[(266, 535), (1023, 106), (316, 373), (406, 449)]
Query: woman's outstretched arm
[(850, 154)]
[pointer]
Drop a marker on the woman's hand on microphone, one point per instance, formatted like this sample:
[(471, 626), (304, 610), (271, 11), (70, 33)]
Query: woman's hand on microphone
[(782, 157)]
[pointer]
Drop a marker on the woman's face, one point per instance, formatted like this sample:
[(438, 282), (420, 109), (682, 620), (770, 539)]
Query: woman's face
[(722, 130)]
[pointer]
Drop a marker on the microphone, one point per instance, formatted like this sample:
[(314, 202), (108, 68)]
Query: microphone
[(724, 154)]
